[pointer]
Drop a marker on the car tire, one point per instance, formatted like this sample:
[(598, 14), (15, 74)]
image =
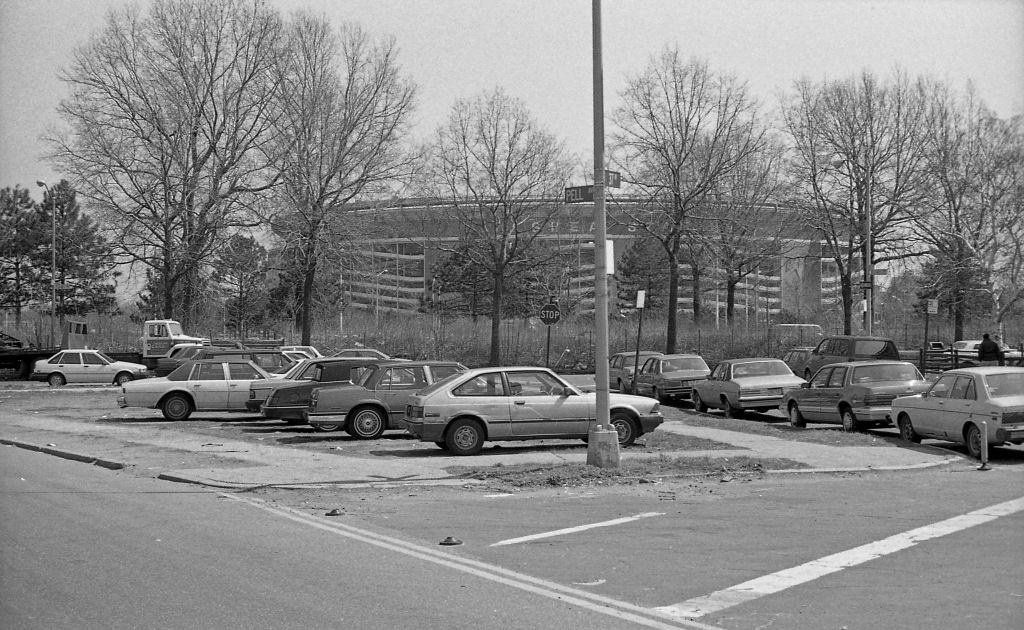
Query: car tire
[(367, 423), (972, 440), (57, 380), (464, 437), (626, 427), (732, 412), (850, 423), (906, 428), (176, 407), (698, 403), (796, 419), (122, 378), (441, 445)]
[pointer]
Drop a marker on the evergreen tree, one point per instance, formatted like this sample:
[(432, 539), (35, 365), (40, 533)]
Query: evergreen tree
[(23, 231), (241, 272)]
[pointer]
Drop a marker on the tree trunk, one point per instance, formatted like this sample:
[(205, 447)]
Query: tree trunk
[(308, 275), (496, 299), (846, 287), (730, 299), (673, 303), (695, 285)]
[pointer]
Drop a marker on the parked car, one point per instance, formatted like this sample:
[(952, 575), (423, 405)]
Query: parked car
[(852, 394), (287, 399), (842, 348), (739, 385), (85, 366), (967, 352), (310, 351), (670, 377), (620, 368), (273, 361), (343, 369), (460, 413), (379, 401), (959, 400), (205, 385), (370, 353), (796, 358)]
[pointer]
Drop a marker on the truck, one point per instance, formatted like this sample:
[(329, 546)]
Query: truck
[(158, 336)]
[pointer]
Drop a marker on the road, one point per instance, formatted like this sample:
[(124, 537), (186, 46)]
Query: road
[(85, 547)]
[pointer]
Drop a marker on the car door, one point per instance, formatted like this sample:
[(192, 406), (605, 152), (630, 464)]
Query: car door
[(931, 422), (94, 369), (711, 389), (394, 388), (541, 408), (810, 398), (70, 365), (210, 387), (646, 375), (241, 376), (831, 393), (959, 407)]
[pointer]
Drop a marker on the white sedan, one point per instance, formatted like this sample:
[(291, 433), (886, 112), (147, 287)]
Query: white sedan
[(207, 385), (738, 385), (959, 401), (86, 366)]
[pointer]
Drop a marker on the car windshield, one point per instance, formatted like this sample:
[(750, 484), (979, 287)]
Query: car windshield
[(761, 368), (104, 357), (870, 347), (685, 363), (1005, 384), (436, 385), (880, 373)]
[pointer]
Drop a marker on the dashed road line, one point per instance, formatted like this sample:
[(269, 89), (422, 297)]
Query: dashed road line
[(578, 528), (788, 578)]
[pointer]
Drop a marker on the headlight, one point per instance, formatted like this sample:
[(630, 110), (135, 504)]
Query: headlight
[(656, 408)]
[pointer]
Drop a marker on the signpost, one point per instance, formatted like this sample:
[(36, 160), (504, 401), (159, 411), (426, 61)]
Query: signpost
[(585, 194), (549, 315), (641, 297)]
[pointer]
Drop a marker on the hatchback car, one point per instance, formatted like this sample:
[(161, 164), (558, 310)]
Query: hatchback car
[(957, 403), (300, 381), (490, 404), (207, 385), (621, 365), (852, 394), (739, 385), (86, 366), (670, 377), (843, 348), (378, 402)]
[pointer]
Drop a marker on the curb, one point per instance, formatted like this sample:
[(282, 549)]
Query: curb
[(49, 450)]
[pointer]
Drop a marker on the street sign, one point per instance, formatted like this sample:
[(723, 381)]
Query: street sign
[(579, 194), (641, 296), (613, 179), (933, 307), (549, 314)]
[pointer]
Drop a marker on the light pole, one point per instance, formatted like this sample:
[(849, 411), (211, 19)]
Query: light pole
[(53, 258)]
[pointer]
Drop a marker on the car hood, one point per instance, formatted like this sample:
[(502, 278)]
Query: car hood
[(895, 387), (686, 375)]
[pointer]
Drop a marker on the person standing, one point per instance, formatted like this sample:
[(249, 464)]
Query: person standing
[(989, 352)]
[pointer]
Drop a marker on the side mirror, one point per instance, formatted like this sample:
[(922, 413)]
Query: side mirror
[(805, 385)]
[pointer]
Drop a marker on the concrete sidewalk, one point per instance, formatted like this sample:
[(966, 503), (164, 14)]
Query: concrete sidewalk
[(247, 464)]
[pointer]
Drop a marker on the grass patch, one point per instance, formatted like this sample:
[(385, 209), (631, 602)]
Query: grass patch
[(631, 472), (759, 424)]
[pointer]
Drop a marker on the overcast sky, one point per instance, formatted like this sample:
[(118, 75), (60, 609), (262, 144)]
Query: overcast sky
[(539, 51)]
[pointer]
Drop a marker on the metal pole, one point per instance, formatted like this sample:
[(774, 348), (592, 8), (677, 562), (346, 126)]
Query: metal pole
[(603, 448), (984, 446), (869, 255), (53, 260)]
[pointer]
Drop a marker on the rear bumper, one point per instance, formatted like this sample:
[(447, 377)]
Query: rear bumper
[(873, 414), (424, 431), (290, 413), (253, 405), (322, 419), (1010, 434)]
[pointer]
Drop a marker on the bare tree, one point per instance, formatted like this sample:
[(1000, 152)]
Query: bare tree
[(345, 108), (973, 219), (168, 119), (858, 161), (500, 172), (680, 129)]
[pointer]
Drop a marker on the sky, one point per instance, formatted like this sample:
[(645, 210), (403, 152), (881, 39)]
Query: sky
[(540, 52)]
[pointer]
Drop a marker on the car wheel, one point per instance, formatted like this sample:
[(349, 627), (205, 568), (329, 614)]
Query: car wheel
[(57, 380), (122, 378), (698, 402), (367, 423), (850, 423), (796, 418), (176, 407), (327, 428), (906, 428), (465, 437), (730, 411), (626, 428), (972, 438), (441, 445)]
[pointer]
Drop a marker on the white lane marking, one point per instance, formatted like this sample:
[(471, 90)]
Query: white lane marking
[(552, 590), (781, 580), (579, 528)]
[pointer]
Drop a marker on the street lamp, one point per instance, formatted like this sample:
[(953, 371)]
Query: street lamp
[(53, 258)]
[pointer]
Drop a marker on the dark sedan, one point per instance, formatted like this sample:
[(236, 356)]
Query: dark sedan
[(378, 402), (287, 399), (852, 394)]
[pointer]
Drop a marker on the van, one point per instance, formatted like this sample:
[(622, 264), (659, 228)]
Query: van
[(844, 348)]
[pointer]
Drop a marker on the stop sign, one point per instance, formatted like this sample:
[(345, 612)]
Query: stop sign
[(549, 314)]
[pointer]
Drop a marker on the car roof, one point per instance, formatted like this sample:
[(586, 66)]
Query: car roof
[(401, 363), (985, 369), (681, 356), (863, 363), (750, 360), (859, 337)]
